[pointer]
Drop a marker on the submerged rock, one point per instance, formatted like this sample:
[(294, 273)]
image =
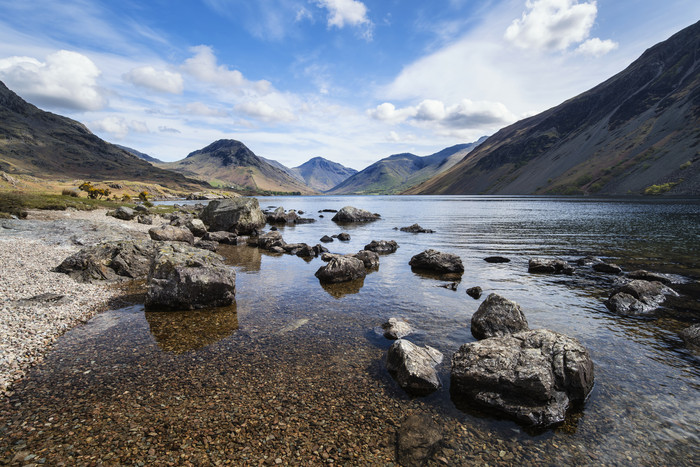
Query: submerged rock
[(643, 275), (396, 328), (497, 316), (607, 268), (691, 335), (382, 246), (241, 215), (350, 214), (549, 266), (435, 261), (186, 278), (531, 376), (109, 261), (496, 259), (416, 440), (415, 228), (341, 269), (413, 367)]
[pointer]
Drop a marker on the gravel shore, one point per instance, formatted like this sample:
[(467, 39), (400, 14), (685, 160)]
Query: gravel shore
[(37, 305)]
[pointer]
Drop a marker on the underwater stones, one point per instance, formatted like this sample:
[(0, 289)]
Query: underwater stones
[(417, 439)]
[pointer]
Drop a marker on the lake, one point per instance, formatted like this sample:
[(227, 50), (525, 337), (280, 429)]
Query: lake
[(295, 370)]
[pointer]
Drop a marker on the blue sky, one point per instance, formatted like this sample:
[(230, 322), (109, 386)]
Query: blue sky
[(349, 80)]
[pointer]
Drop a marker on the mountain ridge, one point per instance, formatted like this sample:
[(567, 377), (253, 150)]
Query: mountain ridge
[(322, 174)]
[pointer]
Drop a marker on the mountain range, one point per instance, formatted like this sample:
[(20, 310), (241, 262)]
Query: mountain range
[(636, 133), (322, 174)]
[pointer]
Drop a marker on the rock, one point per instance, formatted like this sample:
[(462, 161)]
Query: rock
[(277, 249), (496, 259), (109, 261), (691, 335), (307, 251), (141, 209), (643, 275), (197, 227), (326, 239), (382, 246), (531, 376), (497, 316), (588, 260), (279, 216), (227, 238), (293, 248), (415, 228), (144, 219), (169, 233), (413, 367), (186, 278), (417, 439), (180, 219), (341, 269), (270, 239), (474, 292), (396, 328), (607, 268), (449, 286), (550, 266), (123, 213), (350, 214), (435, 261), (638, 298), (328, 210), (369, 258), (344, 237), (206, 244), (242, 215)]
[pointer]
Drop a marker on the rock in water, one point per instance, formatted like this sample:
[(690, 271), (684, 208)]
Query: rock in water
[(382, 246), (415, 228), (417, 439), (341, 269), (531, 376), (550, 266), (498, 316), (369, 258), (607, 268), (351, 214), (474, 292), (227, 238), (691, 336), (187, 278), (109, 261), (344, 237), (496, 259), (396, 329), (242, 215), (169, 233), (435, 261), (413, 367), (638, 298)]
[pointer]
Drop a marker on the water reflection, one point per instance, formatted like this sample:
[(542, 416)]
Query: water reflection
[(245, 258), (184, 331), (342, 289)]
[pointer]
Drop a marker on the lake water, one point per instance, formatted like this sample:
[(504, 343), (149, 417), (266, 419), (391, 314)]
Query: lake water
[(295, 371)]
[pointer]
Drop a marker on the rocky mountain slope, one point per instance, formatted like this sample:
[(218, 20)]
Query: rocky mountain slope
[(47, 146), (636, 133), (322, 174), (399, 172), (140, 154), (230, 163)]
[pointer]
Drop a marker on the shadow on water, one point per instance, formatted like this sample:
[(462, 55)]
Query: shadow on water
[(184, 331), (342, 289)]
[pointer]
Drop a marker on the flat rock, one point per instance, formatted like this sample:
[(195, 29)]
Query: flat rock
[(532, 376), (413, 367), (643, 275), (607, 268), (549, 266), (496, 259), (435, 261), (227, 238), (341, 269), (415, 228), (110, 261), (350, 214), (496, 317), (170, 233)]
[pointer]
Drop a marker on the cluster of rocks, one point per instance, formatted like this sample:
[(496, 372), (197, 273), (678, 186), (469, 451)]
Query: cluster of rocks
[(280, 216), (342, 236), (272, 241), (345, 268)]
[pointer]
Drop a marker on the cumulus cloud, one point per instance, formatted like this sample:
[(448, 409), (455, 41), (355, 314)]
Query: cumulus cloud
[(596, 47), (264, 111), (552, 25), (342, 12), (157, 80), (119, 126), (203, 66), (66, 80), (465, 114)]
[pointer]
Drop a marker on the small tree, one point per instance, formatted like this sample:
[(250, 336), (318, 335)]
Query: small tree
[(126, 198), (143, 196)]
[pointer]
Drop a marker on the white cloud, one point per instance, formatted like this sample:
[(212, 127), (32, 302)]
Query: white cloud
[(393, 137), (342, 12), (119, 127), (552, 24), (203, 66), (596, 47), (167, 129), (202, 110), (66, 80), (157, 80), (263, 111), (431, 110), (388, 112)]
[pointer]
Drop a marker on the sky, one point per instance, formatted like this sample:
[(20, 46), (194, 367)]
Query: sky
[(349, 80)]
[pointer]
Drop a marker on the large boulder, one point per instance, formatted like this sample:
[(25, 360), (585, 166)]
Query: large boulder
[(170, 233), (351, 214), (242, 215), (187, 278), (531, 376), (435, 261), (638, 298), (109, 261), (413, 367), (497, 316), (382, 246), (123, 213), (341, 269), (549, 266), (271, 239)]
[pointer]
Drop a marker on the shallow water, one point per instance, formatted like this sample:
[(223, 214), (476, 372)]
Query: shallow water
[(301, 362)]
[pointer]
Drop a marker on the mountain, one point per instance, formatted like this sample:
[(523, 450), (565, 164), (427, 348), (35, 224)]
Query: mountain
[(399, 172), (638, 132), (229, 162), (47, 146), (284, 168), (322, 174), (141, 155)]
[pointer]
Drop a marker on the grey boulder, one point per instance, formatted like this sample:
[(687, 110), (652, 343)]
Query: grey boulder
[(382, 246), (396, 328), (170, 233), (497, 316), (242, 215), (197, 227), (123, 213), (369, 258), (227, 238), (435, 261), (549, 266), (350, 214), (413, 367), (638, 298), (109, 261), (341, 269)]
